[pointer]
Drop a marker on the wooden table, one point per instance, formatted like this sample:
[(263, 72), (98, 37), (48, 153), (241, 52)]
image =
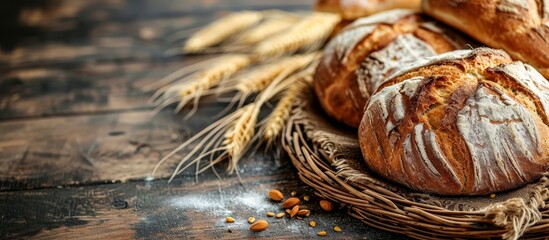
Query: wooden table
[(78, 140)]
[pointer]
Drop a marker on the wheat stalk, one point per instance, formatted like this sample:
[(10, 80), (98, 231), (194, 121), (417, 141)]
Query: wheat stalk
[(180, 73), (266, 29), (231, 136), (238, 136), (276, 120), (210, 134), (309, 33), (258, 79), (221, 29), (188, 91)]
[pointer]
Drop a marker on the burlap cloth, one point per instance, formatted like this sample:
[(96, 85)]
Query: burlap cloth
[(320, 148)]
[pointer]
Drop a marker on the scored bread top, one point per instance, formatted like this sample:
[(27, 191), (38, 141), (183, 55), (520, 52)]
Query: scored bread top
[(520, 27), (358, 59), (462, 123)]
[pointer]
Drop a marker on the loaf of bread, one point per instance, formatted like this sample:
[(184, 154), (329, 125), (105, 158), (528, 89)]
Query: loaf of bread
[(353, 9), (520, 27), (467, 122), (370, 49)]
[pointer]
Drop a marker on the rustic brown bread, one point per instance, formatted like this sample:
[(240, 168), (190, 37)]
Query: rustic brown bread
[(374, 47), (520, 27), (468, 122), (353, 9)]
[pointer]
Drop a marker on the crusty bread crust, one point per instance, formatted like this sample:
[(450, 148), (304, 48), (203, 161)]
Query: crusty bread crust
[(468, 122), (370, 49), (520, 27), (353, 9)]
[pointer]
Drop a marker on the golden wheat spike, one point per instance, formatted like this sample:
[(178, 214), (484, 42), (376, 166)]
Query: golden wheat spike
[(238, 135), (212, 77), (276, 120), (309, 33), (241, 133), (221, 29), (230, 137), (266, 29), (260, 78), (197, 85)]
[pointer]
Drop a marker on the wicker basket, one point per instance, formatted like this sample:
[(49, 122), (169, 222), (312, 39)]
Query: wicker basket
[(382, 205)]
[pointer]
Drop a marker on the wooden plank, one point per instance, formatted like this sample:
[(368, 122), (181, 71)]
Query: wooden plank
[(47, 152), (51, 12), (76, 33), (83, 149), (156, 210), (77, 45), (90, 88)]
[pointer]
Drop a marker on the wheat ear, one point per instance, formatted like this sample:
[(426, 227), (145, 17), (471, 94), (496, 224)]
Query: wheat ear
[(177, 75), (229, 137), (221, 29), (275, 122), (188, 91), (308, 34), (238, 136), (259, 78), (266, 29), (220, 137)]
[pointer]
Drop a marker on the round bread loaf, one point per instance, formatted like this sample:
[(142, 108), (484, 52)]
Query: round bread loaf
[(353, 9), (520, 27), (357, 60), (468, 122)]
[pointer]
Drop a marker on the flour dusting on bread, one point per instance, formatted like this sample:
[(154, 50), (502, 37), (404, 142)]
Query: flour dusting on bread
[(467, 122), (499, 132), (405, 49)]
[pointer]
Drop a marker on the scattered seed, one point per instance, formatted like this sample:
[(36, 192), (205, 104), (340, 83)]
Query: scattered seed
[(279, 215), (337, 229), (294, 211), (299, 218), (326, 205), (229, 220), (259, 226), (293, 193), (276, 195), (290, 202), (493, 195), (251, 219), (270, 214), (306, 198), (321, 233), (303, 213), (288, 211), (312, 223)]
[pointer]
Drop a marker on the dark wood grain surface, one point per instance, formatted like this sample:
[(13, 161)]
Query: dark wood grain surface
[(78, 139)]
